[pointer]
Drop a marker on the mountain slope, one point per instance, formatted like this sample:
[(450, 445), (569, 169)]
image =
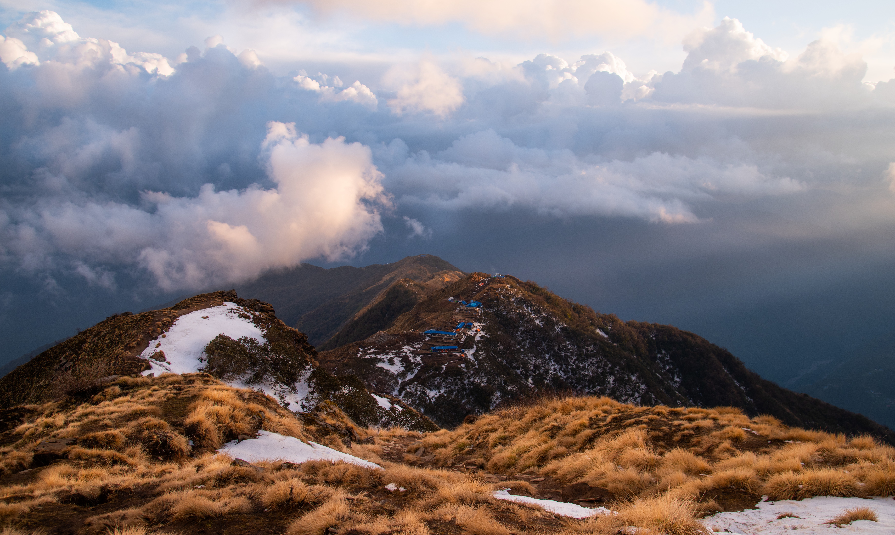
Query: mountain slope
[(240, 341), (527, 342), (320, 302)]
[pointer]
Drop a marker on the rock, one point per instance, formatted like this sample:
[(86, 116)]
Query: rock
[(50, 451)]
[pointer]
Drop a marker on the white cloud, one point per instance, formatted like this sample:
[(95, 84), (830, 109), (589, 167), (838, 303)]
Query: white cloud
[(356, 92), (417, 228), (425, 88), (325, 203), (554, 19), (42, 30), (725, 47), (14, 53), (728, 65)]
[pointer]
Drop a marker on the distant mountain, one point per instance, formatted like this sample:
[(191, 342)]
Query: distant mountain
[(527, 342), (862, 382), (323, 303), (278, 360)]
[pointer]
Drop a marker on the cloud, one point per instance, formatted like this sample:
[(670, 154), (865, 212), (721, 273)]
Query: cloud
[(14, 53), (554, 19), (425, 88), (729, 66), (325, 203), (42, 30), (356, 92), (187, 170), (725, 47), (486, 171), (417, 228)]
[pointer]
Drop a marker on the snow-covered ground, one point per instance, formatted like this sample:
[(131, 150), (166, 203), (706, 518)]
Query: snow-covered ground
[(275, 447), (184, 345), (184, 342), (383, 402), (805, 517), (560, 508)]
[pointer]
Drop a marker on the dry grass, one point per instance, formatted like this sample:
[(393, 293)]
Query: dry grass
[(851, 515), (663, 514), (659, 467)]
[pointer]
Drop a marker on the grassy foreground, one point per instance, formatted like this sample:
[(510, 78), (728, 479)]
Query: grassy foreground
[(139, 458)]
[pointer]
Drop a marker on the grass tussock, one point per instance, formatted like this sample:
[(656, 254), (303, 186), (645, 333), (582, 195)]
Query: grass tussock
[(663, 514), (852, 515)]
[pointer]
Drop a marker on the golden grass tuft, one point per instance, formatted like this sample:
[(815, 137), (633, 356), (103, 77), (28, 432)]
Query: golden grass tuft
[(333, 512), (810, 483), (157, 438), (287, 493), (109, 440), (661, 514), (851, 515), (478, 521)]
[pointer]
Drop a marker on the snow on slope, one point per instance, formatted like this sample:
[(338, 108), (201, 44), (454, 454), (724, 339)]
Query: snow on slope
[(184, 342), (809, 517), (275, 447), (560, 508), (183, 345)]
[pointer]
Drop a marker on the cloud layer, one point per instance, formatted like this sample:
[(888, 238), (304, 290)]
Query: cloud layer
[(208, 168), (553, 19)]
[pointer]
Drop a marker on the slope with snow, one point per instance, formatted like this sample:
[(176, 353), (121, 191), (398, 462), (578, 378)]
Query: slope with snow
[(560, 508), (805, 517), (181, 349), (268, 446)]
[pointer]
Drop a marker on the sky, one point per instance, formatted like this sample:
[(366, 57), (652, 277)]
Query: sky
[(727, 167)]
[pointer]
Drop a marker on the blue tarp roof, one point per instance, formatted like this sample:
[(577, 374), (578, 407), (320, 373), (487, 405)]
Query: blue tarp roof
[(473, 304), (444, 348), (433, 331)]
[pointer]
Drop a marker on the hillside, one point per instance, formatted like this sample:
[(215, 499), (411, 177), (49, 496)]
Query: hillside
[(322, 302), (160, 455), (526, 342), (240, 341)]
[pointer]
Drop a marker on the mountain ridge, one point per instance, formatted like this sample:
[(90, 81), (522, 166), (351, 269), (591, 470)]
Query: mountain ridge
[(530, 341), (320, 302)]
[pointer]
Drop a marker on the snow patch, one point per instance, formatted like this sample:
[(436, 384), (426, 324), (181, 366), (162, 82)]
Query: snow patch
[(809, 517), (184, 347), (560, 508), (396, 368), (275, 447), (383, 402), (184, 342)]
